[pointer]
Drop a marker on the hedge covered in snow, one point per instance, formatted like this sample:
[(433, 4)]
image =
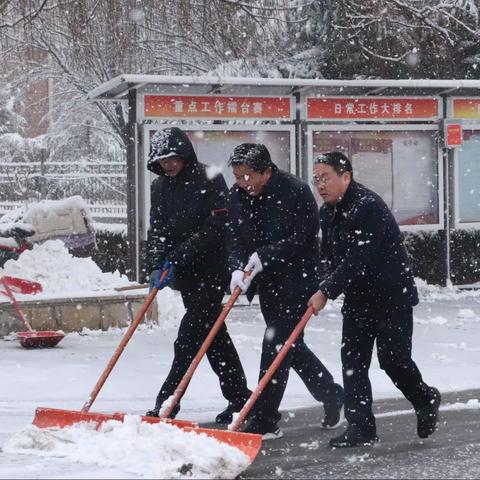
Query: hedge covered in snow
[(426, 250)]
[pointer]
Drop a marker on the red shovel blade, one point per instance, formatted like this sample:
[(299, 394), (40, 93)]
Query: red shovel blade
[(20, 285), (41, 339)]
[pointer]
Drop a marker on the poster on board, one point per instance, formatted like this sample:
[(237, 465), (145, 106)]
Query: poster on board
[(400, 165), (213, 147)]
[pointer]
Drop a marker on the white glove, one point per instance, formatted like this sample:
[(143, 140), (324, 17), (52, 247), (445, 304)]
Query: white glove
[(237, 281), (253, 266)]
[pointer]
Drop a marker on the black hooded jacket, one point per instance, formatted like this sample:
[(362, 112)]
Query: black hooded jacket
[(362, 253), (188, 214), (281, 225)]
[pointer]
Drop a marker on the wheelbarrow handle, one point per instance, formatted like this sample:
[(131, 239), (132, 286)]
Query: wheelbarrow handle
[(123, 343), (271, 370), (182, 386)]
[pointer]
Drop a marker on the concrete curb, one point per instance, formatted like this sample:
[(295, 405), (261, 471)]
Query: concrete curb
[(74, 314)]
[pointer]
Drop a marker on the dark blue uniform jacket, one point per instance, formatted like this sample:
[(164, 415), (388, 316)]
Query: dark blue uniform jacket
[(362, 252), (281, 225)]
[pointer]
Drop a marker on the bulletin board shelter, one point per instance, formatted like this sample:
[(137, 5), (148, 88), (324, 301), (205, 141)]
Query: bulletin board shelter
[(415, 142)]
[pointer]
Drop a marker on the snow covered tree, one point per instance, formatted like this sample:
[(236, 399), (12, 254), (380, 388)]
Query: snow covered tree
[(10, 120), (404, 38), (76, 46)]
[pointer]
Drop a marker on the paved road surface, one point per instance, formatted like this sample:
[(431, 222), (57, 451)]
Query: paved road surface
[(452, 452)]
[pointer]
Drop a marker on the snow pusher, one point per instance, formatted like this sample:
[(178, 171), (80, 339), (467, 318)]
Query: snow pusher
[(248, 443), (32, 338)]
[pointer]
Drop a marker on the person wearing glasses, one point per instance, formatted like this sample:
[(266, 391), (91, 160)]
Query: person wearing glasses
[(363, 257), (187, 242), (274, 226)]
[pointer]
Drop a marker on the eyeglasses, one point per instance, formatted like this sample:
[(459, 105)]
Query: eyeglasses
[(320, 181)]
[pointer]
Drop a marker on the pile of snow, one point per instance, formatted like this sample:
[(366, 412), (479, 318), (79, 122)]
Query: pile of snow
[(436, 292), (60, 273), (170, 309), (150, 450)]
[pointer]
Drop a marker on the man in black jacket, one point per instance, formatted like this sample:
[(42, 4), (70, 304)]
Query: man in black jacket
[(364, 258), (187, 238), (274, 225)]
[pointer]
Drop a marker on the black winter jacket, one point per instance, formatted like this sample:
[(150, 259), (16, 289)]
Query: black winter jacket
[(281, 225), (362, 253), (188, 217)]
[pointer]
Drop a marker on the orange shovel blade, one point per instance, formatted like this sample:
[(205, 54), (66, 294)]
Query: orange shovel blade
[(54, 417), (248, 443)]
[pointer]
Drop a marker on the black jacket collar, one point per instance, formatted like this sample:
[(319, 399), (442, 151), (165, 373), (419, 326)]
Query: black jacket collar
[(347, 201)]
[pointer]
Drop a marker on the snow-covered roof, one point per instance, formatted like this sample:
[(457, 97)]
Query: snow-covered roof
[(117, 88)]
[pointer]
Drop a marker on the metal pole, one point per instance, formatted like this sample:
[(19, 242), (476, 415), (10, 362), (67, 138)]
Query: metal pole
[(299, 168), (446, 193), (446, 190), (132, 207)]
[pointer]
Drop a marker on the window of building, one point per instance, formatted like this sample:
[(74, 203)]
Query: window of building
[(468, 179)]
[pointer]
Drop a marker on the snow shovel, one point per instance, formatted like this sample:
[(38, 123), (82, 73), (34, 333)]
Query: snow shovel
[(242, 415), (32, 338), (249, 444), (182, 386)]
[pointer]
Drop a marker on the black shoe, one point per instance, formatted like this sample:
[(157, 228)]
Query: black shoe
[(333, 411), (353, 437), (268, 431), (226, 416), (427, 416), (156, 412)]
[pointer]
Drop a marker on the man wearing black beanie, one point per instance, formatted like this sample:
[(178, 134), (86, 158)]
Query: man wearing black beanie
[(187, 239)]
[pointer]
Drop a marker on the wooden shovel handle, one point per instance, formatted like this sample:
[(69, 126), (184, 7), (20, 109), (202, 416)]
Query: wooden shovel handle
[(8, 292), (123, 343), (182, 386), (271, 370), (131, 287)]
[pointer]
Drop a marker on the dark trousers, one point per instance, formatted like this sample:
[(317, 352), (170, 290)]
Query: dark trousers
[(281, 314), (203, 305), (392, 329)]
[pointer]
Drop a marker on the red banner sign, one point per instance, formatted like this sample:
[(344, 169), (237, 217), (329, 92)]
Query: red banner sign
[(453, 135), (466, 108), (372, 108), (216, 107)]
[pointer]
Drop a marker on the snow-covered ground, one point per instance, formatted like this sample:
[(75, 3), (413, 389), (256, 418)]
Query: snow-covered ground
[(446, 348)]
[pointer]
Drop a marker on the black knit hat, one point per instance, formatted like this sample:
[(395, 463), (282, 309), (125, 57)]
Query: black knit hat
[(337, 160), (169, 142), (253, 155)]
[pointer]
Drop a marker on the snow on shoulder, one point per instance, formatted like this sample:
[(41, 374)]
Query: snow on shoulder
[(60, 273), (213, 171), (149, 450)]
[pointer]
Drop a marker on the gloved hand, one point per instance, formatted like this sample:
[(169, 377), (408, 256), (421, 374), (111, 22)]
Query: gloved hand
[(238, 281), (254, 266), (155, 277)]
